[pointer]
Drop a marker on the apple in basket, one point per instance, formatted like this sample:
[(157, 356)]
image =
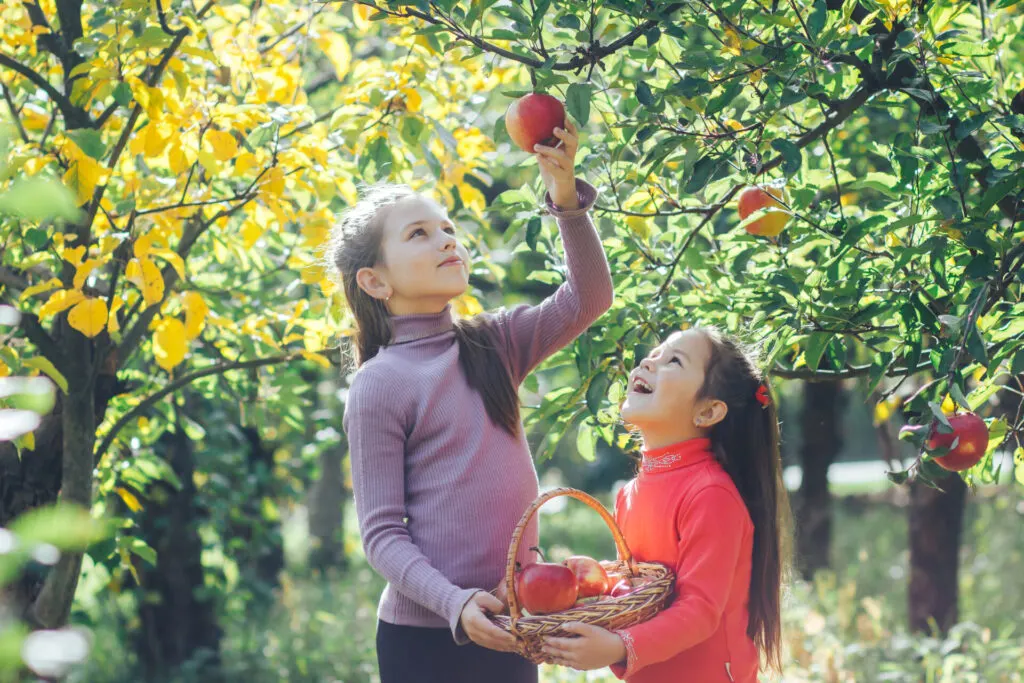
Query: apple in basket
[(623, 587), (546, 587), (591, 577)]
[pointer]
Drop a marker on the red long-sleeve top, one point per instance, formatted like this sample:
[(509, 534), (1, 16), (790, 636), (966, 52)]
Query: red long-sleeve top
[(684, 511)]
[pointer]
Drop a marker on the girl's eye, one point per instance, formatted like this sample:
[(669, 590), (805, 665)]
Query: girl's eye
[(450, 229), (675, 359), (418, 231)]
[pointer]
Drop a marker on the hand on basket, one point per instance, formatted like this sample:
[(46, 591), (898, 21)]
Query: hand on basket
[(593, 648), (480, 629)]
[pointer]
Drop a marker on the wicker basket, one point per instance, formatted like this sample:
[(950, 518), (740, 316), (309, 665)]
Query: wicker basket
[(610, 613)]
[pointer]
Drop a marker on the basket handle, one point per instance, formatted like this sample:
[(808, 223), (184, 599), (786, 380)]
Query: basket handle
[(513, 551)]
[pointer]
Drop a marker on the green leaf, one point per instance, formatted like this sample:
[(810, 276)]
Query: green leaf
[(577, 97), (791, 157), (123, 94), (89, 141), (976, 345), (65, 525), (39, 199), (644, 94), (816, 22), (701, 174), (997, 192), (939, 415), (969, 126), (586, 442), (815, 347), (533, 227), (143, 550), (597, 391)]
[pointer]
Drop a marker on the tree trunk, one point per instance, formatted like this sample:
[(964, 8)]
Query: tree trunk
[(326, 501), (179, 622), (822, 440), (262, 558), (936, 521)]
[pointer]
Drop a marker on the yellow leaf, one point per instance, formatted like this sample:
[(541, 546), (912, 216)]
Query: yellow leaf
[(173, 258), (169, 343), (948, 406), (361, 17), (273, 183), (113, 324), (467, 305), (413, 100), (337, 50), (43, 364), (222, 144), (5, 370), (82, 272), (250, 233), (176, 160), (40, 288), (317, 358), (129, 499), (196, 311), (60, 301), (89, 317), (83, 175), (152, 282), (74, 255), (133, 272), (154, 143)]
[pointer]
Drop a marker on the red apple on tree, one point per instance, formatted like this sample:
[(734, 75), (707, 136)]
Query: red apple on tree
[(763, 197), (971, 435), (546, 587), (532, 120), (591, 577)]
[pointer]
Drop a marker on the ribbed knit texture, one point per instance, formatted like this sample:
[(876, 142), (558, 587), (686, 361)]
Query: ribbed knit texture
[(438, 486), (683, 510)]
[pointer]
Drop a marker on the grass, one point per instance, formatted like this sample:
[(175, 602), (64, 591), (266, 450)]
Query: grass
[(846, 626)]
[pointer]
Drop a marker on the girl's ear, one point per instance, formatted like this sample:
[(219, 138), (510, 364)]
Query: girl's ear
[(709, 412), (371, 281)]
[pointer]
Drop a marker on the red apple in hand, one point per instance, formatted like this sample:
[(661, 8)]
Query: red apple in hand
[(774, 218), (532, 120), (545, 587), (591, 577), (972, 433)]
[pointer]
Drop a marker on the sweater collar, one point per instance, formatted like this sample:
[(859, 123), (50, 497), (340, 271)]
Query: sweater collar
[(674, 456), (407, 328)]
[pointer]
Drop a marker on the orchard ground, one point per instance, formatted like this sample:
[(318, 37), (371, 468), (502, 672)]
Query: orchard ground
[(848, 625)]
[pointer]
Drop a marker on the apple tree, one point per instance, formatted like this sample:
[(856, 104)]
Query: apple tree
[(892, 133)]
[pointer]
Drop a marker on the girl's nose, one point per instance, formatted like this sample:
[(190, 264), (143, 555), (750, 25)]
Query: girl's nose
[(647, 364)]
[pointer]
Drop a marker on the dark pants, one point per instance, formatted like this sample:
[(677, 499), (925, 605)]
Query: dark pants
[(412, 654)]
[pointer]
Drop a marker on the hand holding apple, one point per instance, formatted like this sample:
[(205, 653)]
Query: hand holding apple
[(558, 167), (532, 120), (545, 588)]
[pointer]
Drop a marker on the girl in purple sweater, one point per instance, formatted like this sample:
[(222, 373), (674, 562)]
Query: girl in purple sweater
[(441, 469)]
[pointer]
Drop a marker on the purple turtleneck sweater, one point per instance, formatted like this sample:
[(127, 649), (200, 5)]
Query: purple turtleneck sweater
[(438, 486)]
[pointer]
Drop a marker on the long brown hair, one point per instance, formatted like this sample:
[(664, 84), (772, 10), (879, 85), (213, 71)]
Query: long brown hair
[(356, 242), (746, 443)]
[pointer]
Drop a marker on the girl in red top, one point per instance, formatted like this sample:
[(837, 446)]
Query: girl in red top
[(709, 503)]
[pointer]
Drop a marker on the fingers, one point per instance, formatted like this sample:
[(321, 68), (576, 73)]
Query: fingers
[(549, 164), (488, 602), (558, 153), (482, 632)]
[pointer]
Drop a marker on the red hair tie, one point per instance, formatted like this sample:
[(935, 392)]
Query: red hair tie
[(762, 396)]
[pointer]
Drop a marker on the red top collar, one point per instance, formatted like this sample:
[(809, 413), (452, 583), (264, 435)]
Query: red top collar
[(674, 456)]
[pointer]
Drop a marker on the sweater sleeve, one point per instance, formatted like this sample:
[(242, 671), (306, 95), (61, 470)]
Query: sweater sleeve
[(711, 529), (376, 425), (533, 333)]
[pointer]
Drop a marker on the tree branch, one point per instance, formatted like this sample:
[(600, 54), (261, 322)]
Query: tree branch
[(594, 54), (72, 116), (179, 383), (849, 372), (36, 334)]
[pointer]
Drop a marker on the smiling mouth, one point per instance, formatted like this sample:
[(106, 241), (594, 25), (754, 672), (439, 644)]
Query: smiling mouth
[(641, 386)]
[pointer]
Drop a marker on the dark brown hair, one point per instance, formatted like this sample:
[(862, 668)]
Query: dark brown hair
[(355, 243), (746, 443)]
